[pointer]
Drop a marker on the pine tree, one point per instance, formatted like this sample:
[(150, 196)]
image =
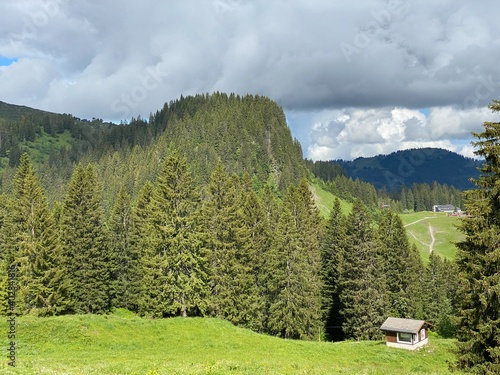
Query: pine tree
[(333, 248), (362, 281), (296, 287), (234, 294), (86, 249), (285, 284), (401, 269), (257, 226), (124, 257), (478, 261), (174, 245), (33, 247), (138, 233), (436, 302)]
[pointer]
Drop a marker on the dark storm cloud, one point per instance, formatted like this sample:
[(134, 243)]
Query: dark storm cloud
[(323, 58)]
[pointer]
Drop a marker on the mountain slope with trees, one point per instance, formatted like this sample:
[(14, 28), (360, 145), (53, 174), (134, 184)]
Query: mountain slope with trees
[(407, 167), (247, 134)]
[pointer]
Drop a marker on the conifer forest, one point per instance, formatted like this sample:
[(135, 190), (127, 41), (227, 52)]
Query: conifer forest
[(206, 209)]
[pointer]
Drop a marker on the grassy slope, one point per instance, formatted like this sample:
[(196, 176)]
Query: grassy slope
[(324, 200), (130, 345), (444, 229)]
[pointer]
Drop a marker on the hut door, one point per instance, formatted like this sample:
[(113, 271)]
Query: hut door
[(422, 334)]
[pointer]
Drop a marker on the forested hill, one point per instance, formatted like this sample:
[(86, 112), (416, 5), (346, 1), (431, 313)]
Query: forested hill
[(407, 167), (246, 133)]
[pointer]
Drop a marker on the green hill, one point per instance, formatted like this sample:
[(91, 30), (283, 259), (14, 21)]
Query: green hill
[(431, 231), (248, 134), (125, 344)]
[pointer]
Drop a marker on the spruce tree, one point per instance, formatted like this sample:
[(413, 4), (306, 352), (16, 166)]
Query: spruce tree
[(138, 233), (259, 240), (295, 311), (436, 302), (85, 244), (287, 280), (33, 247), (124, 256), (333, 247), (234, 294), (174, 245), (362, 280), (401, 268), (478, 261)]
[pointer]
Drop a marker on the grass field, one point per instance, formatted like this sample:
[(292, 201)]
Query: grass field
[(419, 226), (125, 344)]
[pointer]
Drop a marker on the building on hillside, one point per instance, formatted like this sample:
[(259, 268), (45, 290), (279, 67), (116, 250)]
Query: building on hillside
[(445, 208), (405, 333)]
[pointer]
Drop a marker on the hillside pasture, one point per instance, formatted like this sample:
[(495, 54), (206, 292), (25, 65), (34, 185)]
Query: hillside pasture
[(125, 344), (433, 231)]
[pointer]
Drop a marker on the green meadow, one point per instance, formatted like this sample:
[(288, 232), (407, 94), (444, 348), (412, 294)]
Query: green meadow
[(122, 343), (444, 230)]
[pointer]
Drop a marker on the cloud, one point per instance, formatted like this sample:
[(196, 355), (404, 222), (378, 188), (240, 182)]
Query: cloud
[(364, 60), (353, 133)]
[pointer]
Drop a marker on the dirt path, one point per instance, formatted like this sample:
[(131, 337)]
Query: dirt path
[(415, 237), (433, 239), (419, 220), (431, 233)]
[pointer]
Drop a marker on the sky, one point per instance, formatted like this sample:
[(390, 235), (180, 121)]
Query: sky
[(355, 78)]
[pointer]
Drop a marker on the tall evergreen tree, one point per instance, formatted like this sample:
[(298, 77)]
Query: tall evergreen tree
[(85, 244), (295, 311), (234, 293), (175, 252), (32, 244), (259, 241), (436, 302), (124, 256), (138, 231), (401, 269), (478, 261), (333, 248), (362, 281)]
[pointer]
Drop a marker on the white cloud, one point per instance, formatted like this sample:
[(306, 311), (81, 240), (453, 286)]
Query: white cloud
[(371, 132)]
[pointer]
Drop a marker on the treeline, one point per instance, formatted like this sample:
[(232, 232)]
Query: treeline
[(231, 249), (225, 251), (419, 197)]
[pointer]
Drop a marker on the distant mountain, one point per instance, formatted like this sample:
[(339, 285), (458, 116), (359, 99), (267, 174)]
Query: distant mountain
[(407, 167), (12, 112)]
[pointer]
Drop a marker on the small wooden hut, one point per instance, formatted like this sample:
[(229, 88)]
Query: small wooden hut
[(405, 333)]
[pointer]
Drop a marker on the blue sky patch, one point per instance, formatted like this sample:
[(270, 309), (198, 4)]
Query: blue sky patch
[(425, 111), (5, 61)]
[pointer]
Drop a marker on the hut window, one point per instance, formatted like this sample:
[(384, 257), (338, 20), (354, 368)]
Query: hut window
[(405, 337)]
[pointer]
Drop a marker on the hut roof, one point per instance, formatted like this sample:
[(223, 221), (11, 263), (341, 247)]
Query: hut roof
[(403, 325)]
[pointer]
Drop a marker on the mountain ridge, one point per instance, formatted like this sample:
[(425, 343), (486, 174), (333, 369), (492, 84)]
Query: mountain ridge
[(418, 165), (389, 171), (246, 133)]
